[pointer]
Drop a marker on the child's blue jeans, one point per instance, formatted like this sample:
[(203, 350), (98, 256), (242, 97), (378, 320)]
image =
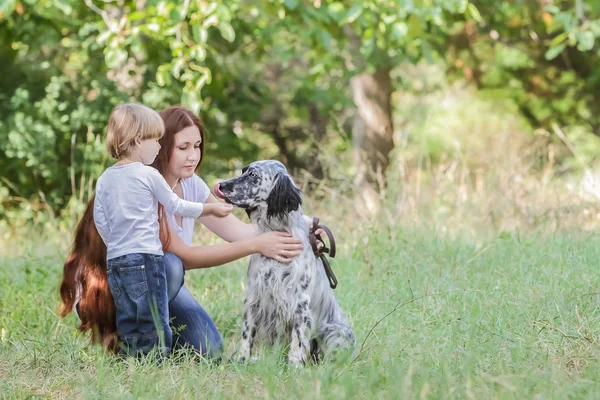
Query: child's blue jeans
[(139, 287)]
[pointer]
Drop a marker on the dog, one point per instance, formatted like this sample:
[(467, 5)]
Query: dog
[(290, 302)]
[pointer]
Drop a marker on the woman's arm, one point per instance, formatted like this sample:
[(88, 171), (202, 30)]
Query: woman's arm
[(272, 245), (229, 228)]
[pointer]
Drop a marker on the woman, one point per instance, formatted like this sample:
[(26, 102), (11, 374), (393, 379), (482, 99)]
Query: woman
[(85, 284)]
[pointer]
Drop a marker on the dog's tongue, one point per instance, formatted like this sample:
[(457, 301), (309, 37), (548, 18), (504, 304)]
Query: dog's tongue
[(218, 192)]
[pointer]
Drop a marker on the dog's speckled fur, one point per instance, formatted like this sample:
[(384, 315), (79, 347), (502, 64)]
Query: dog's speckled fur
[(292, 302)]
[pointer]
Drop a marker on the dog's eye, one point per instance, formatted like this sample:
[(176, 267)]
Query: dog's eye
[(253, 174)]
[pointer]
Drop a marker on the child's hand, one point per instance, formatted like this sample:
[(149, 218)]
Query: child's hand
[(217, 209)]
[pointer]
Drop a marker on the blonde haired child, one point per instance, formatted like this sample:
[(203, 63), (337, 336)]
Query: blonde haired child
[(126, 216)]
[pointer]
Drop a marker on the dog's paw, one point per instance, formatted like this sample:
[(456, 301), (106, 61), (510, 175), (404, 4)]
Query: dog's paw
[(297, 358), (241, 359)]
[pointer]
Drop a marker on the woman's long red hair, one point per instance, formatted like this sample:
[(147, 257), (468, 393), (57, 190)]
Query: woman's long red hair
[(84, 271)]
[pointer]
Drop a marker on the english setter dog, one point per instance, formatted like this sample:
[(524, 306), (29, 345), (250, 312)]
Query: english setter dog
[(294, 301)]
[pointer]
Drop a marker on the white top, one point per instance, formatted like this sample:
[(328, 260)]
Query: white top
[(126, 208), (196, 190)]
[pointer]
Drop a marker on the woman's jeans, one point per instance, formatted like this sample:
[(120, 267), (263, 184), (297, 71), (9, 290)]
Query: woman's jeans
[(192, 325)]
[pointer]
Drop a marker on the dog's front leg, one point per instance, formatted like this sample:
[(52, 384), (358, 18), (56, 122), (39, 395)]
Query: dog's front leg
[(248, 332), (301, 332)]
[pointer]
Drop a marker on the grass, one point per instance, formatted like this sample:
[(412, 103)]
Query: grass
[(513, 316), (442, 308)]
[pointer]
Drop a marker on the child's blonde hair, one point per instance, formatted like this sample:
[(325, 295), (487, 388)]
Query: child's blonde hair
[(130, 122)]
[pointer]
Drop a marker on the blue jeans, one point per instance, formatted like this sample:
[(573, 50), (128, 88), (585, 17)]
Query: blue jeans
[(194, 327), (138, 284)]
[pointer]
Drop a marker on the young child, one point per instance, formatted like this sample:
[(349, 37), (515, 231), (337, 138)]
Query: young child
[(126, 216)]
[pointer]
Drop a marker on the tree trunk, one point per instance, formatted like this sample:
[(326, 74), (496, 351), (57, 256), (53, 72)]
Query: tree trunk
[(372, 134)]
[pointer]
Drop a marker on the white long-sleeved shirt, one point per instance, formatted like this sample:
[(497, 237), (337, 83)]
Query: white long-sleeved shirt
[(126, 209)]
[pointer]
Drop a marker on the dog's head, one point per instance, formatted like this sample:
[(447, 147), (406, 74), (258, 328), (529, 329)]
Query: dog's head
[(264, 185)]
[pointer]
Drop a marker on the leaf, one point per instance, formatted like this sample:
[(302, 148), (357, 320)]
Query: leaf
[(426, 49), (210, 21), (64, 6), (585, 40), (101, 38), (190, 98), (553, 52), (291, 4), (325, 38), (354, 13), (176, 68), (153, 27), (7, 8), (114, 56), (162, 75), (200, 34), (198, 53), (552, 9), (335, 10), (399, 30), (136, 15), (474, 13), (462, 6), (559, 39), (227, 31)]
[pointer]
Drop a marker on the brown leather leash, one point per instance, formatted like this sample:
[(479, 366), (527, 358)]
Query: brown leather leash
[(314, 239)]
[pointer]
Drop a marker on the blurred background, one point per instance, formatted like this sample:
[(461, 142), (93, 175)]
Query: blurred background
[(478, 114)]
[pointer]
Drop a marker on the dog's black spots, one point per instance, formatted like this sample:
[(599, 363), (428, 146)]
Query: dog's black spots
[(314, 350), (304, 286), (285, 275), (268, 275), (301, 306), (253, 333), (244, 335)]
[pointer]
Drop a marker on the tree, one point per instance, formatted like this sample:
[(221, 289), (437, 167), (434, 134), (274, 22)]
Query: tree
[(370, 39)]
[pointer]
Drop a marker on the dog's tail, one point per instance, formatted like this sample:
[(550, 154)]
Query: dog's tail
[(333, 329)]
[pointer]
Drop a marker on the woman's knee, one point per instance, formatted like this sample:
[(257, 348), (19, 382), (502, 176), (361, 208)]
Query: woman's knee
[(175, 273), (214, 348)]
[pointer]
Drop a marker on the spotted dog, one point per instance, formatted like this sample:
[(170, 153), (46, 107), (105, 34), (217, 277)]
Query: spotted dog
[(289, 302)]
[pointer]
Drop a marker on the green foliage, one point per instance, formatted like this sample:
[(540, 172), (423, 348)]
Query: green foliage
[(545, 59), (270, 79)]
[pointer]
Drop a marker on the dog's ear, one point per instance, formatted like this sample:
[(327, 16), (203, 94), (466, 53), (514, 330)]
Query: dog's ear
[(285, 197)]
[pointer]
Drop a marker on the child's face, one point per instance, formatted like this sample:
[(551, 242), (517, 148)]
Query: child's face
[(186, 153), (148, 150)]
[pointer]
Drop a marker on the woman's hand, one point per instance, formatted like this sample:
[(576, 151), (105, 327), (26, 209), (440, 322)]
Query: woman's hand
[(280, 246), (318, 232)]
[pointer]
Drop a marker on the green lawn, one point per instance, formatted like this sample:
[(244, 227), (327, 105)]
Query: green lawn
[(515, 316)]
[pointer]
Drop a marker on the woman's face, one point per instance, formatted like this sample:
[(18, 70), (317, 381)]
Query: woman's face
[(186, 152)]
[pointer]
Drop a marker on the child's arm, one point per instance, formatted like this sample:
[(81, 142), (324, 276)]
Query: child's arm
[(169, 199), (100, 220)]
